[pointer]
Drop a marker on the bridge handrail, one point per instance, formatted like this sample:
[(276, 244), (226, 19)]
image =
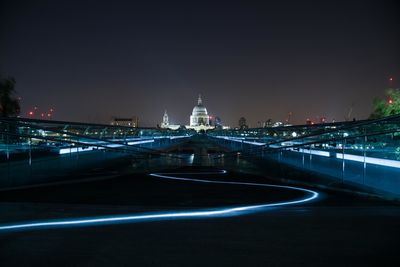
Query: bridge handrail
[(266, 147), (64, 139)]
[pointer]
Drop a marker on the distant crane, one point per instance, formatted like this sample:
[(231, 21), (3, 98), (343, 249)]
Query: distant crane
[(289, 117), (348, 117)]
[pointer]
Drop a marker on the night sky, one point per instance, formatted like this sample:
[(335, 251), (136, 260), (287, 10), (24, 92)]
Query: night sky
[(260, 59)]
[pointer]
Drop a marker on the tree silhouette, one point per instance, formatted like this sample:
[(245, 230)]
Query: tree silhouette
[(9, 104), (9, 107), (387, 107)]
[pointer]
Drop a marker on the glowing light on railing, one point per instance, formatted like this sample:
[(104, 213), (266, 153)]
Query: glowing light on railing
[(179, 136), (241, 140), (90, 148), (254, 143), (314, 152), (370, 160), (140, 142), (77, 149), (191, 157)]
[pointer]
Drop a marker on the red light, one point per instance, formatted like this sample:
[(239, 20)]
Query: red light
[(48, 115), (391, 79), (390, 101), (42, 114), (30, 113)]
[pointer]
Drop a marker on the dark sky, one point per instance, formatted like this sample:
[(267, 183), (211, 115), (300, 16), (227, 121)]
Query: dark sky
[(95, 59)]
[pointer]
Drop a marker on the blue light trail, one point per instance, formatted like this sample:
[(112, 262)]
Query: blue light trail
[(209, 213)]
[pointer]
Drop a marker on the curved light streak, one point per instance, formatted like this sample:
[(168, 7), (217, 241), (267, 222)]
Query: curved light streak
[(222, 211)]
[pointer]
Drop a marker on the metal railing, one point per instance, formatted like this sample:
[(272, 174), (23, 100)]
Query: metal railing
[(365, 153), (35, 151)]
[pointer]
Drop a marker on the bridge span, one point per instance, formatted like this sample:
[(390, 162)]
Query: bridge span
[(100, 195)]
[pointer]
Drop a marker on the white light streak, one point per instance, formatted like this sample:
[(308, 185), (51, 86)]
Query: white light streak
[(223, 211)]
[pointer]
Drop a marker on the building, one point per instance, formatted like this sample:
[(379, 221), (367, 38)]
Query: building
[(243, 123), (127, 122), (199, 115), (199, 120), (218, 122), (267, 123), (165, 123)]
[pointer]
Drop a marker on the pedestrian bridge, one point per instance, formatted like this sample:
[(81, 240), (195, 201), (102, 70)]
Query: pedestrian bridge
[(362, 156)]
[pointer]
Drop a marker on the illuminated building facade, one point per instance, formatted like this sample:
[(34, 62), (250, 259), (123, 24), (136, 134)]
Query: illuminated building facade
[(127, 122), (199, 120), (165, 123)]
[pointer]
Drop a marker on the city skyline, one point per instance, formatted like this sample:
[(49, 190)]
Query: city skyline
[(199, 133), (94, 60)]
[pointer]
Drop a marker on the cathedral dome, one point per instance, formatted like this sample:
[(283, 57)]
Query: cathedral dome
[(199, 110), (199, 115)]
